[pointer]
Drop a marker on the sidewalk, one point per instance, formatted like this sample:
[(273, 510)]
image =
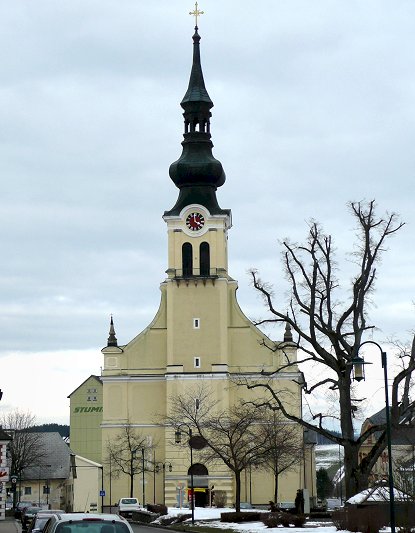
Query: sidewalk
[(10, 525)]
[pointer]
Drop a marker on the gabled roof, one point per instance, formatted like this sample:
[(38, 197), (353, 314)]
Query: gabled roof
[(97, 378), (376, 494), (404, 435), (56, 461)]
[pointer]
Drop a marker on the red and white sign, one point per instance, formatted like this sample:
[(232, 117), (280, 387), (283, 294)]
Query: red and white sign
[(4, 473)]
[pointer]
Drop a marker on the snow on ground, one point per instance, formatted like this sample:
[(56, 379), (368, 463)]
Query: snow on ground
[(213, 515)]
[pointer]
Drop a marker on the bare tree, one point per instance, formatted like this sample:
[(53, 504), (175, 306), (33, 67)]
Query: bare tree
[(126, 454), (329, 324), (285, 446), (26, 448), (235, 435)]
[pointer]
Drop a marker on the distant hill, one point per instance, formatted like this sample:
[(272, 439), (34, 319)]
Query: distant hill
[(62, 429), (320, 439)]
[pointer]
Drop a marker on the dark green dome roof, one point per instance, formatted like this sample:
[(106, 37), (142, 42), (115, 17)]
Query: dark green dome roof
[(197, 173)]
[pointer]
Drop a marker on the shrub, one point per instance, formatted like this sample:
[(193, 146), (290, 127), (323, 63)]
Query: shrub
[(272, 520), (158, 508), (168, 520), (240, 517), (286, 519), (298, 520)]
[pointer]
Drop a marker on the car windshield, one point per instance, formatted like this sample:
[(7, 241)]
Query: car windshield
[(40, 522), (92, 526), (129, 500)]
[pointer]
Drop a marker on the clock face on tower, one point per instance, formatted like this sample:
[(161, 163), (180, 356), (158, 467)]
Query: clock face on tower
[(195, 221)]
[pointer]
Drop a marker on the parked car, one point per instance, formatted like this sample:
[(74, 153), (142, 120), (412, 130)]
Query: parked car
[(126, 506), (78, 522), (27, 514), (246, 505), (19, 508), (333, 503), (40, 519)]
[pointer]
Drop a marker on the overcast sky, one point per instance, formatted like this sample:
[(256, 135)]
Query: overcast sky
[(314, 107)]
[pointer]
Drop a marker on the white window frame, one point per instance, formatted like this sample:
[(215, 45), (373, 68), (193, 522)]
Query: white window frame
[(196, 323), (197, 362)]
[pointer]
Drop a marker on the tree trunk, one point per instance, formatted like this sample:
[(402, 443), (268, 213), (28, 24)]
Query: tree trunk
[(237, 491), (276, 488), (351, 450)]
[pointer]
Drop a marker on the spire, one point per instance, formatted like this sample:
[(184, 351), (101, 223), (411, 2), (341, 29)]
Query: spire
[(288, 336), (197, 173), (196, 93), (112, 339)]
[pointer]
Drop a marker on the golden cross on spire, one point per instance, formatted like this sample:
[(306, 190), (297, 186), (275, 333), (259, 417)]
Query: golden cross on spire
[(196, 12)]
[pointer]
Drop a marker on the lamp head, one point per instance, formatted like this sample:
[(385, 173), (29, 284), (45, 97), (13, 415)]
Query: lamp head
[(358, 368)]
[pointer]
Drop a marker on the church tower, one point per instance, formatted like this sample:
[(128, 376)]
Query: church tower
[(198, 279), (198, 336)]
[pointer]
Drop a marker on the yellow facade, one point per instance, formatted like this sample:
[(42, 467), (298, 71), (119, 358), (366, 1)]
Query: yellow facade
[(198, 335)]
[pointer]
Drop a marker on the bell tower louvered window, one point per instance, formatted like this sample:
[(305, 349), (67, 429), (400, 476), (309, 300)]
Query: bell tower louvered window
[(204, 259), (187, 259)]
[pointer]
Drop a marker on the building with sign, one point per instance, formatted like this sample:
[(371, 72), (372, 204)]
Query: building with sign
[(85, 419), (199, 339)]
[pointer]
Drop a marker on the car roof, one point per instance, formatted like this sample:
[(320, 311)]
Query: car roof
[(67, 517), (51, 512)]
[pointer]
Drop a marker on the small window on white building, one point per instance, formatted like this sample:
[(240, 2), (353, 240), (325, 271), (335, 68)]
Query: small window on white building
[(197, 362), (196, 323)]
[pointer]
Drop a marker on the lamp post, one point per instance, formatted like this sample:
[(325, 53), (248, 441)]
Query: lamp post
[(178, 440), (144, 484), (358, 368), (157, 466)]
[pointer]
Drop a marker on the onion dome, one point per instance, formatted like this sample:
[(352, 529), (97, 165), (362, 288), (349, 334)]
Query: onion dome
[(197, 173)]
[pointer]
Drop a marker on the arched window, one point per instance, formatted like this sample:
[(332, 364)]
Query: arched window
[(187, 259), (204, 259), (198, 470)]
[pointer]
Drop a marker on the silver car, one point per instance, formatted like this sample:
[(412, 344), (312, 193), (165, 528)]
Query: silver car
[(87, 523)]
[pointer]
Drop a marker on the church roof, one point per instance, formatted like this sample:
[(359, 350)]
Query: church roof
[(196, 92), (197, 173)]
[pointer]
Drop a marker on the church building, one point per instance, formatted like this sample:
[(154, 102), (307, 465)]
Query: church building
[(199, 338)]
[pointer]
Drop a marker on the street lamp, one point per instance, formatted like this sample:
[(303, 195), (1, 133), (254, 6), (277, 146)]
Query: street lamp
[(178, 440), (358, 371), (157, 466), (144, 485)]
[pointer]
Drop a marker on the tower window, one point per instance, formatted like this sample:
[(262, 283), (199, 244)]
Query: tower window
[(197, 362), (204, 259), (196, 323), (187, 259)]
